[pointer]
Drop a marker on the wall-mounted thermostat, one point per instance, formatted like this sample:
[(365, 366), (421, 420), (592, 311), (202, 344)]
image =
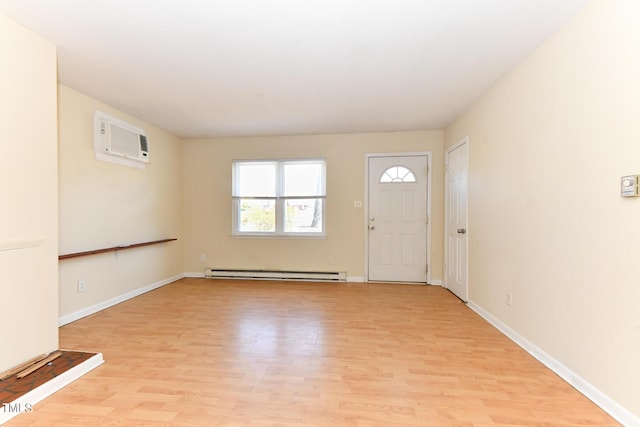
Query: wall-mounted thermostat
[(629, 186)]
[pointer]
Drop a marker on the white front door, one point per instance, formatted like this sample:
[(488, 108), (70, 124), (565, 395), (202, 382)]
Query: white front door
[(398, 219), (456, 220)]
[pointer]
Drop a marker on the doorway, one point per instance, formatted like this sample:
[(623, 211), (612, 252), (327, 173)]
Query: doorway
[(398, 217), (456, 240)]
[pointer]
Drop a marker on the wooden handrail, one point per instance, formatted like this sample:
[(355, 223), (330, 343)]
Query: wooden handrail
[(113, 249)]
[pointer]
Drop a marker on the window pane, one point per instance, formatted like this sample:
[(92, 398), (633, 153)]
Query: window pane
[(397, 174), (257, 215), (255, 179), (303, 215), (303, 179)]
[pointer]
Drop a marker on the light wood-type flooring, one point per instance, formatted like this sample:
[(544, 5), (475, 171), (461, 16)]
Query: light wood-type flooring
[(204, 352)]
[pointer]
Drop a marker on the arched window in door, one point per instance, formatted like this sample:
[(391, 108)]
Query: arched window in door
[(397, 174)]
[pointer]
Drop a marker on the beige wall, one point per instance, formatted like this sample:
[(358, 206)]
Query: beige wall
[(207, 201), (548, 145), (104, 204), (28, 194)]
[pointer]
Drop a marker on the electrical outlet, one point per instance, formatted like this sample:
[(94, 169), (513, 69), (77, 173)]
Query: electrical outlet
[(82, 286), (508, 298), (203, 257), (332, 260)]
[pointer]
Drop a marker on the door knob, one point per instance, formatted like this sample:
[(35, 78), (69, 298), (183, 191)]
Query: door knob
[(461, 231)]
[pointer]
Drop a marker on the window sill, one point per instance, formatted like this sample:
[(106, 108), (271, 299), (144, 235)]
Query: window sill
[(279, 236)]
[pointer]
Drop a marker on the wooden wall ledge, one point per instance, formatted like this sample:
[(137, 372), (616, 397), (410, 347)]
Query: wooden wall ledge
[(113, 249)]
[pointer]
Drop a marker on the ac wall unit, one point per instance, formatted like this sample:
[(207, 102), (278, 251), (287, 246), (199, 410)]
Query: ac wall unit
[(120, 142)]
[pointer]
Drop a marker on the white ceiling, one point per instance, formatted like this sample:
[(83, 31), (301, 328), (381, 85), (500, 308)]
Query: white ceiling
[(204, 68)]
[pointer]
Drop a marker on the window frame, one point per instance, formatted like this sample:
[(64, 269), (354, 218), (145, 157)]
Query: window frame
[(280, 199)]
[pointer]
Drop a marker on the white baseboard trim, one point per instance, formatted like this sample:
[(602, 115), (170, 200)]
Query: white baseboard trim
[(621, 414), (26, 402), (72, 317), (194, 275), (358, 279)]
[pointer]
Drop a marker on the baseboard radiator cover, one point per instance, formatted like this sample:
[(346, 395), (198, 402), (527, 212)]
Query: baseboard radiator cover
[(314, 276)]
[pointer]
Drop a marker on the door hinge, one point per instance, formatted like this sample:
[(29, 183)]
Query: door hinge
[(446, 167), (427, 220), (427, 269), (427, 170)]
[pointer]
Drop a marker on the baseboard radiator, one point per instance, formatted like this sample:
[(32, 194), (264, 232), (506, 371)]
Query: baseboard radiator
[(320, 276)]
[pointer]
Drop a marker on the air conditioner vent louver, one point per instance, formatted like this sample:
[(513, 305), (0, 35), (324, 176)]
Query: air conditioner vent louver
[(144, 147)]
